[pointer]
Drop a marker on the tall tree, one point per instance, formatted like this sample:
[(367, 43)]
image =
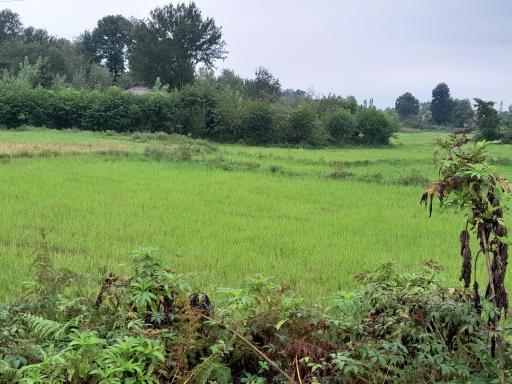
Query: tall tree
[(10, 24), (441, 105), (487, 120), (111, 41), (87, 47), (34, 47), (407, 105), (228, 78), (462, 113), (172, 42), (264, 86), (39, 36)]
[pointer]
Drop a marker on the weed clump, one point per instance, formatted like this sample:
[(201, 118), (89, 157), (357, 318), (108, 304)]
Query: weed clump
[(339, 171), (177, 148), (414, 178)]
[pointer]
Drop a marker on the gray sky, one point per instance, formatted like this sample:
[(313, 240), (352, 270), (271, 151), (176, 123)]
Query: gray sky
[(367, 48)]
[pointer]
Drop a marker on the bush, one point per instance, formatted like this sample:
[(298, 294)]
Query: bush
[(257, 123), (506, 137), (155, 112), (67, 108), (108, 110), (342, 127), (229, 116), (196, 111), (23, 105), (506, 131), (301, 125), (374, 127), (332, 103)]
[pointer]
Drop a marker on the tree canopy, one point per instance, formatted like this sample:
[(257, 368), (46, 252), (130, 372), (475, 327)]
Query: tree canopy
[(264, 86), (441, 105), (110, 43), (407, 105), (172, 42), (10, 24), (462, 113), (487, 120)]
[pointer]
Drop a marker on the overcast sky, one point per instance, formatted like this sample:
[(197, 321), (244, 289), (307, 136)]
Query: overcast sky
[(367, 48)]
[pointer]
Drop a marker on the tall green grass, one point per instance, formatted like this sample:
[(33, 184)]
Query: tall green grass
[(297, 224)]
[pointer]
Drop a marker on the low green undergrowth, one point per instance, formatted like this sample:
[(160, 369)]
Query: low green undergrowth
[(152, 327)]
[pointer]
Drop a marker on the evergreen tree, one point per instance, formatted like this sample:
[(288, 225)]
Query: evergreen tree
[(442, 104)]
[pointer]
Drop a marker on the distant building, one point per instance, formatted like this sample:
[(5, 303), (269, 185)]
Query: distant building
[(138, 90)]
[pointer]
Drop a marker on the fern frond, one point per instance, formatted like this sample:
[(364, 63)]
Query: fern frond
[(7, 372), (74, 323), (41, 327), (50, 329), (210, 370)]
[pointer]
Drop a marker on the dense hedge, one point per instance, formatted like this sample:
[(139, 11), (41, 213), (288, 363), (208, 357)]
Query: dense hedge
[(196, 110)]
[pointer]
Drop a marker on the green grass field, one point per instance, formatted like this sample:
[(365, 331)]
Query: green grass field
[(310, 218)]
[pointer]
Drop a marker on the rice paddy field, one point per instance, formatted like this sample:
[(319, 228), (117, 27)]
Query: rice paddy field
[(309, 218)]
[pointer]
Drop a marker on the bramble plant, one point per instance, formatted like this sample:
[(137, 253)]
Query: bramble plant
[(468, 182)]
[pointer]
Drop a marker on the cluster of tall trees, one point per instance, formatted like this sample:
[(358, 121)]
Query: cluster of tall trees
[(443, 110), (169, 44), (59, 83)]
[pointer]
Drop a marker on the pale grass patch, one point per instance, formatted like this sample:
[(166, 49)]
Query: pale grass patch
[(53, 149)]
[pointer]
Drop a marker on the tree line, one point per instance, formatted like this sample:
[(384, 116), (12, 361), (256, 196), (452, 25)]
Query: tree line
[(50, 81), (204, 109), (443, 110)]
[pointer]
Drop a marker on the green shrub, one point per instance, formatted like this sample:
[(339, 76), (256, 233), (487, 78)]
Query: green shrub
[(196, 113), (506, 137), (23, 105), (257, 123), (331, 103), (229, 116), (342, 127), (375, 127), (156, 112), (506, 130), (108, 110), (66, 108), (301, 125)]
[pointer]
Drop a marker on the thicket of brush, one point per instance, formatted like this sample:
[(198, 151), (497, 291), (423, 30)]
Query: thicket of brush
[(152, 327), (201, 110)]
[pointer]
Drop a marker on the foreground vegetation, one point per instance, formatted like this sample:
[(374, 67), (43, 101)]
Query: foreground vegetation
[(150, 327)]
